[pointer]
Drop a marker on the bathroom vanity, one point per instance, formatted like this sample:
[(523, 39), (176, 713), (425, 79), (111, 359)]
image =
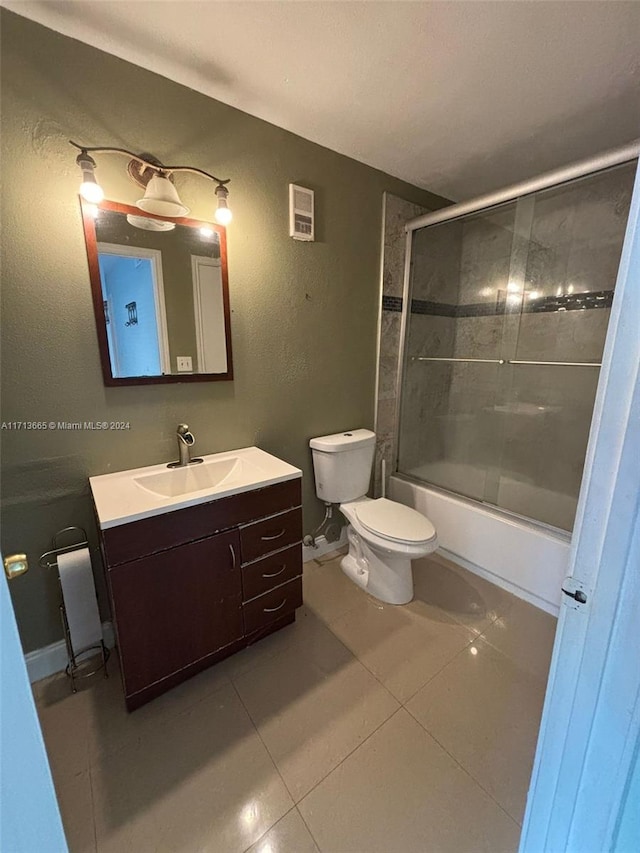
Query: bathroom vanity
[(200, 562)]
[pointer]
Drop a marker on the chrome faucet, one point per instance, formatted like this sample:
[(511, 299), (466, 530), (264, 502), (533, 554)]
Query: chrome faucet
[(186, 440)]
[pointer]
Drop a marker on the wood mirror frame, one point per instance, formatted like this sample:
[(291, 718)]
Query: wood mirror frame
[(89, 224)]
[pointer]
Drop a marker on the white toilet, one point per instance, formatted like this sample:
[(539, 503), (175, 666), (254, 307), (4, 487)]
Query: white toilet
[(384, 536)]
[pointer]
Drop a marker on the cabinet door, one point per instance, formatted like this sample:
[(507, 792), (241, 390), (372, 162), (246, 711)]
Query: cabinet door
[(176, 607)]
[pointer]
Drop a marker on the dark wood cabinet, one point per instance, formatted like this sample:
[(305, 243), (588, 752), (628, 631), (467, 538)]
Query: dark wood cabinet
[(176, 607), (193, 586)]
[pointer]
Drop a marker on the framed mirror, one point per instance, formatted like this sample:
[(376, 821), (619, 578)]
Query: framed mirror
[(160, 296)]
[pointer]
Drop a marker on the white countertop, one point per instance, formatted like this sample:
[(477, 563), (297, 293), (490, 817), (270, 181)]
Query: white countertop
[(126, 496)]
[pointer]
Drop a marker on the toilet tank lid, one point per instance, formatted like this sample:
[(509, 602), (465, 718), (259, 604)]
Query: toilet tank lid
[(341, 441)]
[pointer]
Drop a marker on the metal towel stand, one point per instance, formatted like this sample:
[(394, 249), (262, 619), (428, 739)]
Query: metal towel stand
[(49, 560)]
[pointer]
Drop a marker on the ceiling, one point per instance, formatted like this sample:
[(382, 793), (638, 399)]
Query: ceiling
[(457, 97)]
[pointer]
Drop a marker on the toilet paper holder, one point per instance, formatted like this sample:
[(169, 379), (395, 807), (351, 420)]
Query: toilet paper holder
[(49, 560)]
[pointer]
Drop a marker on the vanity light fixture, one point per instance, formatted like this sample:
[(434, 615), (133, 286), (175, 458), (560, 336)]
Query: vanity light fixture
[(160, 197)]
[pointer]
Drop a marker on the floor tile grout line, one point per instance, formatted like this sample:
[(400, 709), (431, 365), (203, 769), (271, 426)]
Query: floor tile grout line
[(361, 661), (436, 674), (349, 754), (403, 703), (328, 624), (463, 768), (542, 679), (363, 664), (291, 794), (315, 840), (93, 810), (357, 746), (268, 751), (258, 840)]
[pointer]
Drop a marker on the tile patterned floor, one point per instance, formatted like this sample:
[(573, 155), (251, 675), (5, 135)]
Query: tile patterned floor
[(363, 727)]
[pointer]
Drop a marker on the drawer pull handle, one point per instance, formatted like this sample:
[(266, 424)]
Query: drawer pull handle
[(273, 609), (274, 536), (275, 574), (233, 556)]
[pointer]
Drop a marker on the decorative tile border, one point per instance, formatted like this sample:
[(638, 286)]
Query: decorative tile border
[(574, 302), (540, 305), (392, 303)]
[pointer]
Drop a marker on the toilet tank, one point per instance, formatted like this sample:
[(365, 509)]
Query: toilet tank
[(342, 464)]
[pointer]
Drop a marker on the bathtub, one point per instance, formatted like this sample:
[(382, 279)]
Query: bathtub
[(527, 560)]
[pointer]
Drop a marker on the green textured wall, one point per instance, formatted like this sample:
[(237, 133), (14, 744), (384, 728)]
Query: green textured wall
[(304, 314)]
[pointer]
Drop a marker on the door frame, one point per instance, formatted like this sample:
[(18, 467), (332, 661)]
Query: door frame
[(590, 725), (155, 256)]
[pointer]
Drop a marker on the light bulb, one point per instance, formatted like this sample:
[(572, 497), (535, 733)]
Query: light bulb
[(207, 232), (91, 191), (223, 215)]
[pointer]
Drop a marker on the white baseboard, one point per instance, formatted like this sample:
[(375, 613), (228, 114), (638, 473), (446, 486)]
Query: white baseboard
[(53, 658), (323, 547)]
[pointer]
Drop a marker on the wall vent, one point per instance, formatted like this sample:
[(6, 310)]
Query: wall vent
[(301, 215)]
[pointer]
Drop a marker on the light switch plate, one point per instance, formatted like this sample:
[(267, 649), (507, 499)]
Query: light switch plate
[(185, 363)]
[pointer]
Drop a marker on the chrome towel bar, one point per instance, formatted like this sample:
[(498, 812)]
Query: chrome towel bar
[(510, 361)]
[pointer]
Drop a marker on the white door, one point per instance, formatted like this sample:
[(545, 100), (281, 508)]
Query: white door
[(30, 818), (586, 777)]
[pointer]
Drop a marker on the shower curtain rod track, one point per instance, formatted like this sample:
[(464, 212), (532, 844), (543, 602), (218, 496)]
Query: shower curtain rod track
[(615, 157)]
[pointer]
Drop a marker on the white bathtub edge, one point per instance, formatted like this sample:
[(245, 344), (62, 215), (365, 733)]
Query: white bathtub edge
[(503, 583), (527, 561)]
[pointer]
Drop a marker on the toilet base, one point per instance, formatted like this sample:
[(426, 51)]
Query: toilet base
[(386, 576)]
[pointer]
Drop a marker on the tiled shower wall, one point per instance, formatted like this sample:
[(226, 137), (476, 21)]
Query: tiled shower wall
[(397, 212)]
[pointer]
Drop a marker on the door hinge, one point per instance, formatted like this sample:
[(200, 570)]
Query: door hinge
[(572, 588)]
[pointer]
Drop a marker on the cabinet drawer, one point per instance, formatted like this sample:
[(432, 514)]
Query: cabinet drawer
[(272, 605), (270, 534), (276, 569)]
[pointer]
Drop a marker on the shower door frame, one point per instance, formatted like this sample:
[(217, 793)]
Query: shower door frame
[(583, 168)]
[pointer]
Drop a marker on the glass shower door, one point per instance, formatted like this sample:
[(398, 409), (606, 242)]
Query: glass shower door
[(505, 331), (454, 352), (551, 376)]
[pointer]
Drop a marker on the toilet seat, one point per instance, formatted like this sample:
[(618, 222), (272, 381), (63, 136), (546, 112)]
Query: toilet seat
[(394, 521)]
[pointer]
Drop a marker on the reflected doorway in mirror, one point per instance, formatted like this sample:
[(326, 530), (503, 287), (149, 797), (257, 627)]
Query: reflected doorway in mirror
[(125, 272)]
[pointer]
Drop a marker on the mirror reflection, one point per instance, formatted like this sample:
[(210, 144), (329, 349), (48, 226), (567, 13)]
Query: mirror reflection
[(162, 288)]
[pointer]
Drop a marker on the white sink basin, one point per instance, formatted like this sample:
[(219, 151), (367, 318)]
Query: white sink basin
[(180, 481), (144, 492)]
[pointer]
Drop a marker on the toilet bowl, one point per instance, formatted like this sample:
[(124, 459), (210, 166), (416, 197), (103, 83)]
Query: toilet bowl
[(384, 536)]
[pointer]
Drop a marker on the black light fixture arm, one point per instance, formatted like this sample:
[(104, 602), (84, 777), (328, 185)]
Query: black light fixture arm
[(160, 169)]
